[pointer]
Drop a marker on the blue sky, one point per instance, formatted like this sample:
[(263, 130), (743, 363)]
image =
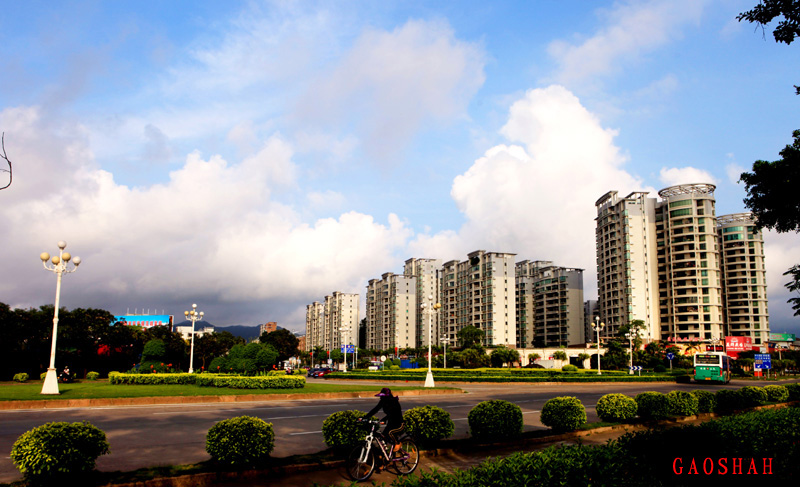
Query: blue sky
[(253, 157)]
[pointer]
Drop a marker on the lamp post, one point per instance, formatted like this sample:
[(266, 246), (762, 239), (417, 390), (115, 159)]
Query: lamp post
[(59, 267), (630, 336), (343, 330), (431, 308), (597, 326), (444, 340), (194, 316)]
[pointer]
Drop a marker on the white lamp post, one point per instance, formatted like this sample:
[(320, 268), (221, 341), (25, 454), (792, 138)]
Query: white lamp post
[(59, 267), (630, 336), (444, 340), (343, 330), (194, 316), (431, 308), (597, 327)]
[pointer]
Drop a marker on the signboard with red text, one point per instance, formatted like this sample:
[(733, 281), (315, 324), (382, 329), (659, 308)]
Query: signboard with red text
[(734, 345)]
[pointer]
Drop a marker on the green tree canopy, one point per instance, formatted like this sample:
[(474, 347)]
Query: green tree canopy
[(470, 336), (284, 342)]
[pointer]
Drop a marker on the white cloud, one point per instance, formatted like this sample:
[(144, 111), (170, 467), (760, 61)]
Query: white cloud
[(213, 230), (326, 200), (684, 175), (780, 253), (633, 29), (537, 199), (734, 171)]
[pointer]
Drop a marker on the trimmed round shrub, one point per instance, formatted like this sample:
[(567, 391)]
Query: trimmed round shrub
[(427, 424), (753, 396), (569, 368), (777, 393), (706, 401), (682, 403), (616, 407), (58, 451), (240, 441), (341, 429), (652, 405), (563, 413), (794, 391), (394, 367), (21, 377), (92, 375), (659, 369), (494, 420), (729, 400), (42, 375)]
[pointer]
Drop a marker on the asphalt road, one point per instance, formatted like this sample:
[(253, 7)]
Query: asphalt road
[(146, 436)]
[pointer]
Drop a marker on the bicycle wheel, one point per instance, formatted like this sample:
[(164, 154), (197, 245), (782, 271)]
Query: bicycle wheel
[(360, 463), (408, 457)]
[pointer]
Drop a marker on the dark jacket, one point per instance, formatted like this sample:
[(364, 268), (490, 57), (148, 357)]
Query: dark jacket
[(391, 407)]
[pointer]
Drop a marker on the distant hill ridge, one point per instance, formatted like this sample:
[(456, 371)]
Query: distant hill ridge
[(248, 332)]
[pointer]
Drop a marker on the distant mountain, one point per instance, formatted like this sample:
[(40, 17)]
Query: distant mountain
[(246, 332)]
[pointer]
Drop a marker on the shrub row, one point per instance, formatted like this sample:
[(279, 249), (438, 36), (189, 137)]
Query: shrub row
[(212, 380), (644, 458), (558, 376), (21, 377)]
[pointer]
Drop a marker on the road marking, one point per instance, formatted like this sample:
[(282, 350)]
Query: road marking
[(305, 433), (251, 409)]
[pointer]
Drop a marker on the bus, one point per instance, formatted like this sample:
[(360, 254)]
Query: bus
[(713, 366)]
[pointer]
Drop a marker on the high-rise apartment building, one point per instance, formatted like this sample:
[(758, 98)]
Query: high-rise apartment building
[(480, 292), (743, 277), (315, 322), (660, 262), (392, 312), (340, 320), (426, 272), (590, 310), (524, 277), (558, 305)]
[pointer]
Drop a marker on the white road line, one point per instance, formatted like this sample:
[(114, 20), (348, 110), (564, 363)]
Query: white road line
[(305, 433), (249, 409)]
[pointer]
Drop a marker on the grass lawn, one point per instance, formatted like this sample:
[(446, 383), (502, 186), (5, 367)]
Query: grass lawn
[(13, 391)]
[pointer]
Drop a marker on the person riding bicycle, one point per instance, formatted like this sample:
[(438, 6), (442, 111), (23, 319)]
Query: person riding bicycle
[(394, 416)]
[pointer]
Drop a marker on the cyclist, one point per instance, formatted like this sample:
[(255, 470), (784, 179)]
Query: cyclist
[(394, 416)]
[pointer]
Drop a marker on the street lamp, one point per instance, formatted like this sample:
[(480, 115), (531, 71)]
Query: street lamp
[(444, 340), (597, 327), (432, 307), (194, 316), (630, 336), (59, 267), (343, 330)]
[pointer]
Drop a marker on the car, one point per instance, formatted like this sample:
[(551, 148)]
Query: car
[(322, 372), (311, 372)]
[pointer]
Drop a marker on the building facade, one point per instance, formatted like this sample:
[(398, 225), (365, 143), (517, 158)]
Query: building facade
[(315, 322), (392, 312), (340, 320), (558, 306), (661, 261), (744, 283), (427, 274)]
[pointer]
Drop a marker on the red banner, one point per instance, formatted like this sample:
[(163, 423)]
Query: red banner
[(734, 345)]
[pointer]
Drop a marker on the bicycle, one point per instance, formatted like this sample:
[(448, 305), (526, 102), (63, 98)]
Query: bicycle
[(362, 460)]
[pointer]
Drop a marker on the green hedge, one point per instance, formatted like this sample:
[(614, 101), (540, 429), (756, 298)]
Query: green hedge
[(21, 377), (59, 451), (563, 413), (495, 420), (260, 382), (427, 424), (776, 393), (682, 403), (558, 376), (342, 430), (652, 405), (706, 401), (240, 441), (616, 407), (212, 380)]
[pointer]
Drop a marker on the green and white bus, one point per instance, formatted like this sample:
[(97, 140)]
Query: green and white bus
[(712, 366)]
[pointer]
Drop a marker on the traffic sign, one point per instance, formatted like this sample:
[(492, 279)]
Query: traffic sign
[(636, 367), (670, 356), (762, 361), (350, 348)]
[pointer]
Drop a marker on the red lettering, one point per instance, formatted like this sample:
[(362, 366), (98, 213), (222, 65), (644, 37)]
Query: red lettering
[(709, 462), (723, 466), (752, 467), (767, 466), (676, 470), (692, 467), (737, 464)]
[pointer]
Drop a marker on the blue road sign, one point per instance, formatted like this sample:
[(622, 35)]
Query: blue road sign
[(350, 349), (670, 356), (762, 361), (636, 367)]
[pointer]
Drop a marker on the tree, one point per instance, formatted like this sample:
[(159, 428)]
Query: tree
[(469, 336), (8, 161), (560, 355), (284, 342), (533, 357), (503, 355), (582, 358), (212, 345), (794, 286), (768, 10)]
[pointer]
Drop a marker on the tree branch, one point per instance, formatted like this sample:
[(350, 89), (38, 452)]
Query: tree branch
[(5, 156)]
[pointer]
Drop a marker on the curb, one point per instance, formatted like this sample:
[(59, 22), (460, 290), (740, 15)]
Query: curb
[(139, 401)]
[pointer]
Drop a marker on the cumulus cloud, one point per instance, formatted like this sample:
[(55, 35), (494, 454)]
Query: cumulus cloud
[(632, 30), (734, 172), (535, 197), (684, 175), (214, 229)]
